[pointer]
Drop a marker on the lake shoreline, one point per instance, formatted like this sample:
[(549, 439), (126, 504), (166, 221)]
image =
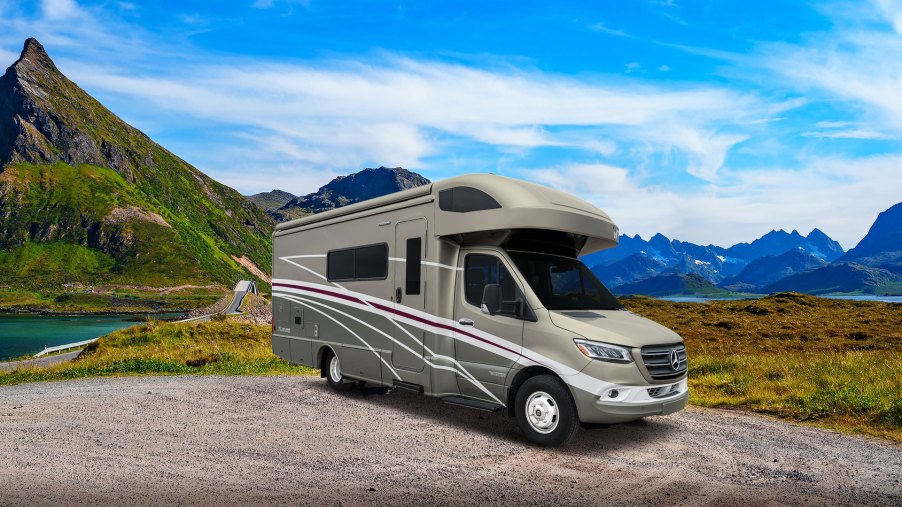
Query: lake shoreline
[(52, 313), (24, 334)]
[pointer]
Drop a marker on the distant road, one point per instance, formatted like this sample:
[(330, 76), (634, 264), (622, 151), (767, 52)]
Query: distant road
[(40, 361), (291, 440), (242, 288)]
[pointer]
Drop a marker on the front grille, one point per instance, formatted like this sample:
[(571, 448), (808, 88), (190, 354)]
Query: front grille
[(659, 361), (663, 392)]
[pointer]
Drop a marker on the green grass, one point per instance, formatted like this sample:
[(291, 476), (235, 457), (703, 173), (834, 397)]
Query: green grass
[(831, 363), (159, 348)]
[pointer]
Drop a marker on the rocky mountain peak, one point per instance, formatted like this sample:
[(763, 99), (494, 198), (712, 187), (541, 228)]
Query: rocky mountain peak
[(816, 233), (883, 239), (46, 118), (33, 57)]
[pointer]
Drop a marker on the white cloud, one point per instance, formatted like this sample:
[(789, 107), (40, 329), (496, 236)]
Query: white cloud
[(384, 109), (269, 4), (847, 134), (602, 27), (584, 179), (60, 9), (855, 63)]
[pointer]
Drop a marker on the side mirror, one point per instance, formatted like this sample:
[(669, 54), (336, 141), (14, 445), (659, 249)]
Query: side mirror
[(491, 299)]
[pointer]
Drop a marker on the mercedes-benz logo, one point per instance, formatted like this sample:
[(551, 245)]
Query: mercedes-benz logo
[(674, 360)]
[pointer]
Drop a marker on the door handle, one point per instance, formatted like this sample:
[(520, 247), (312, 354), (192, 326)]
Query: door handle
[(397, 294), (466, 322)]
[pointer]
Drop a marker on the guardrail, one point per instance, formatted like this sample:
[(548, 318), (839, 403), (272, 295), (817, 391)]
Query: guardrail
[(64, 347), (196, 319)]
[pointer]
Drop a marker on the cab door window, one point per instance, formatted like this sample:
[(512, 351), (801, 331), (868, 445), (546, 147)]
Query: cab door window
[(481, 270)]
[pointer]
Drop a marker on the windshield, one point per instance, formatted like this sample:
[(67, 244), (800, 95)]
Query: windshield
[(564, 283)]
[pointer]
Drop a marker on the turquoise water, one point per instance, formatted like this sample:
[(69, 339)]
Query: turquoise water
[(884, 299), (29, 334)]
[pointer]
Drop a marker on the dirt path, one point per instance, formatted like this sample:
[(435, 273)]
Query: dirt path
[(290, 440)]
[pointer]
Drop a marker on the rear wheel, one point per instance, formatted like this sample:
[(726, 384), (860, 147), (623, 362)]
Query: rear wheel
[(545, 411), (333, 373)]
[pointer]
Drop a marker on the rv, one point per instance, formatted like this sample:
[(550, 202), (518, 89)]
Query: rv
[(471, 290)]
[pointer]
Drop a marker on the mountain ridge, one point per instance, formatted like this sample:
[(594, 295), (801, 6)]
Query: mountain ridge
[(272, 200), (355, 187)]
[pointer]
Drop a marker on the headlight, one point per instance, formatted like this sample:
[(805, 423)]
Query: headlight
[(604, 351)]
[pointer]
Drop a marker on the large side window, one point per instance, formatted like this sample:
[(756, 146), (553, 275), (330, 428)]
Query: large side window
[(481, 270), (369, 262)]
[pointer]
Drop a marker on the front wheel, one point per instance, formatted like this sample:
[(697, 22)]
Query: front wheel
[(333, 374), (545, 411)]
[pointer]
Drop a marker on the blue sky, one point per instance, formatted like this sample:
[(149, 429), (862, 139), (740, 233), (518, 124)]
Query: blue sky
[(711, 122)]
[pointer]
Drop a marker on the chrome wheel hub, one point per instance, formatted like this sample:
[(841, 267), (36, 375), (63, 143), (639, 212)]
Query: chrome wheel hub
[(542, 412), (334, 370)]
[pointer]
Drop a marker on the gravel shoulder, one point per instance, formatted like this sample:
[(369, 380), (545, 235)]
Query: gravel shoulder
[(291, 440)]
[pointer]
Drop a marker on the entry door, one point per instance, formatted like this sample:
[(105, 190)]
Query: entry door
[(490, 358), (410, 250)]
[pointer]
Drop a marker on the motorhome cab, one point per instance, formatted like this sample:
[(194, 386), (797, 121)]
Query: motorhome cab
[(470, 289)]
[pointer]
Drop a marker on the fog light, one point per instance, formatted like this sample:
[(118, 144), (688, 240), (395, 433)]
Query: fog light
[(613, 393)]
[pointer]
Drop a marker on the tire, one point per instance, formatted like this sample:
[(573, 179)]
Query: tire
[(545, 411), (332, 369)]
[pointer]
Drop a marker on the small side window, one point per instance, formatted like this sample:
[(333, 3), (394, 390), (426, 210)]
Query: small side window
[(412, 284)]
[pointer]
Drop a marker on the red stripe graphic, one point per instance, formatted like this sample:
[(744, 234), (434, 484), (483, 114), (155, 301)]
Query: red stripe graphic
[(402, 314)]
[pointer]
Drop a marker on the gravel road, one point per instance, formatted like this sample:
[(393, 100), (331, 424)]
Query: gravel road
[(291, 440)]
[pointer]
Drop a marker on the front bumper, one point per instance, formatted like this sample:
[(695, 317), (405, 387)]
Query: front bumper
[(630, 402)]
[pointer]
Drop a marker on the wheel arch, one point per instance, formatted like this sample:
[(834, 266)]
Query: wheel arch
[(321, 354), (522, 376)]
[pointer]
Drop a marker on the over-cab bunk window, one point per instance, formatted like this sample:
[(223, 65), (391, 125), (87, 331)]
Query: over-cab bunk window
[(465, 200)]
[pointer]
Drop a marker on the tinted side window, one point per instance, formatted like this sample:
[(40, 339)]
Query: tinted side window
[(340, 264), (412, 285), (368, 262), (481, 270), (371, 262)]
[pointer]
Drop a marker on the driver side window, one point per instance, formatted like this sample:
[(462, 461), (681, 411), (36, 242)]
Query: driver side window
[(481, 270)]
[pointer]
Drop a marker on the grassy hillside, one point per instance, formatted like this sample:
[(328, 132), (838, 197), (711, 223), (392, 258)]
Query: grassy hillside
[(87, 199), (88, 225), (833, 363)]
